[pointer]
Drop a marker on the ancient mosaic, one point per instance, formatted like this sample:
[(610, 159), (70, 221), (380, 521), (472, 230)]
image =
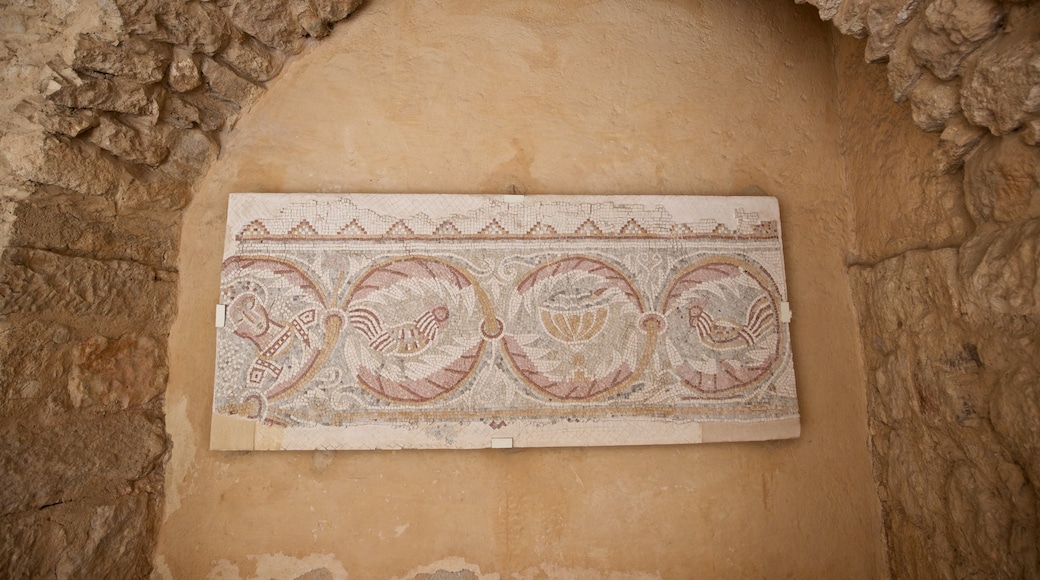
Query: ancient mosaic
[(388, 321)]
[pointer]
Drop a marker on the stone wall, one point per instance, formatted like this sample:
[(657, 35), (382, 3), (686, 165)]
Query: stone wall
[(945, 266), (111, 110)]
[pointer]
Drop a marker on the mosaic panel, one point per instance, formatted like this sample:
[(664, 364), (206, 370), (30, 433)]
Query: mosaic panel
[(453, 321)]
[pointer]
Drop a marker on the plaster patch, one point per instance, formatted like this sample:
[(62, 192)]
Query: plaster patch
[(224, 570), (564, 573), (180, 430), (283, 566), (324, 566), (450, 564)]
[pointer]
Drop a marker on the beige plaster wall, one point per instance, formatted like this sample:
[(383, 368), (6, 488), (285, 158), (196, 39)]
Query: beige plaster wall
[(614, 97)]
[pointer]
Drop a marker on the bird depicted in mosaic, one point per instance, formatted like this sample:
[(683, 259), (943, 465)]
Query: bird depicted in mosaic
[(725, 334), (408, 338)]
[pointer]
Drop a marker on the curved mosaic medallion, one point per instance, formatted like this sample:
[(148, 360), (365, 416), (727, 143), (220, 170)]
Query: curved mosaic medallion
[(418, 327), (579, 330), (723, 333)]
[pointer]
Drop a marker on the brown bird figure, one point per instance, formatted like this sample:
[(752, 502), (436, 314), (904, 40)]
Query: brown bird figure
[(405, 339), (724, 334)]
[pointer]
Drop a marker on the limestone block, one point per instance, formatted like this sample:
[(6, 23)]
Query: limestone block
[(90, 226), (114, 94), (851, 18), (179, 113), (190, 155), (827, 8), (933, 103), (108, 537), (35, 354), (251, 59), (335, 10), (1002, 87), (184, 74), (903, 71), (135, 16), (118, 296), (957, 140), (992, 509), (211, 111), (199, 27), (56, 118), (134, 144), (63, 162), (1002, 180), (1031, 132), (1015, 405), (133, 58), (126, 371), (269, 21), (952, 30), (154, 190), (1000, 267), (306, 15), (229, 85), (885, 21), (52, 455), (957, 504)]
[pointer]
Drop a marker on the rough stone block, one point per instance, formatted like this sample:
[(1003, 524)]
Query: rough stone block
[(952, 30), (127, 371), (154, 190), (851, 18), (1002, 87), (190, 155), (134, 144), (118, 296), (957, 140), (903, 70), (1002, 180), (229, 85), (96, 538), (56, 118), (251, 59), (197, 26), (184, 74), (335, 10), (1015, 404), (957, 503), (133, 58), (35, 354), (933, 103), (63, 162), (52, 455), (115, 94), (213, 112), (827, 8), (1000, 267), (307, 16), (885, 21), (270, 22), (136, 16), (1031, 132), (87, 226)]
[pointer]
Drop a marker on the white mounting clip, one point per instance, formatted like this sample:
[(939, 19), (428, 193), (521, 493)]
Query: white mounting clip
[(501, 442)]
